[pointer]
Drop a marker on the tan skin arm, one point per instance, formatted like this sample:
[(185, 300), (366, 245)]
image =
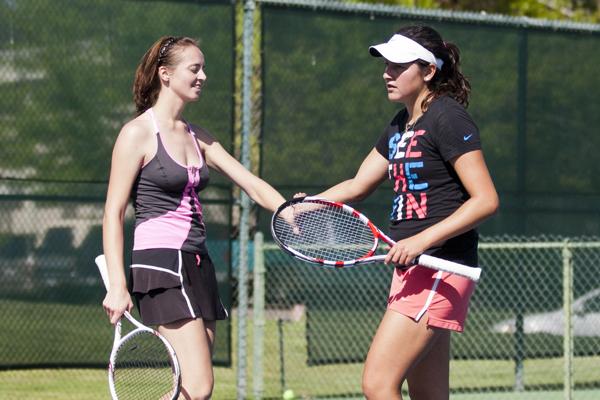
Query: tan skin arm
[(483, 203), (127, 158), (221, 161), (369, 176), (475, 177)]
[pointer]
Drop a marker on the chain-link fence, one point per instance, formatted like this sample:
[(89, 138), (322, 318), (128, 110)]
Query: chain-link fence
[(66, 69), (533, 93), (66, 73), (313, 326), (50, 288)]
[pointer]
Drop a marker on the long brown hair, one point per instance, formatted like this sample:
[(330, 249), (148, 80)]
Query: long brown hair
[(146, 84), (449, 80)]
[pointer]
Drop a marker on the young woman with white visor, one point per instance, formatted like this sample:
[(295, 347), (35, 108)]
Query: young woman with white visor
[(431, 152)]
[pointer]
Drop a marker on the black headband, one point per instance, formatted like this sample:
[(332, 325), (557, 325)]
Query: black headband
[(164, 49)]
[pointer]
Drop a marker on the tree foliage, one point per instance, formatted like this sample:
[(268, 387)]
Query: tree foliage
[(574, 10)]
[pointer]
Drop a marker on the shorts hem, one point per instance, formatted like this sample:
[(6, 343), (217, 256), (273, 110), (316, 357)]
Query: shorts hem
[(402, 312), (440, 323), (432, 321)]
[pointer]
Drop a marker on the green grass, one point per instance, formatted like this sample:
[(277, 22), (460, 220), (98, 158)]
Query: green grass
[(470, 380), (54, 384)]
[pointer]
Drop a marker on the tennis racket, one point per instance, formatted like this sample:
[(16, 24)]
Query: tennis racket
[(142, 365), (335, 235)]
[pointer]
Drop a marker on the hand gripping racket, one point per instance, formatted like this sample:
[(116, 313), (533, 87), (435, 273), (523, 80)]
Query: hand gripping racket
[(142, 365), (336, 235)]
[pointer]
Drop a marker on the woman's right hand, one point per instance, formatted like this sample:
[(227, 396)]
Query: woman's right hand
[(116, 302)]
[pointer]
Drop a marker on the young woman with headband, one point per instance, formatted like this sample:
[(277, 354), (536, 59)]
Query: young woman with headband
[(432, 154), (162, 162)]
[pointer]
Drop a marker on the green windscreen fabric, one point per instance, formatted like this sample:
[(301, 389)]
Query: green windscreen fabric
[(66, 75), (533, 98), (325, 106)]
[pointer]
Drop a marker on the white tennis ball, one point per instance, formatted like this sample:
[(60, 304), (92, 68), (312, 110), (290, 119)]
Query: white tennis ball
[(288, 395)]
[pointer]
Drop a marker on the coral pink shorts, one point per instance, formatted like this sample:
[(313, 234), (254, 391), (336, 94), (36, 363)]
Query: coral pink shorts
[(444, 297)]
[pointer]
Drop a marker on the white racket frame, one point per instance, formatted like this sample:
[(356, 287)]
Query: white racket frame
[(139, 327)]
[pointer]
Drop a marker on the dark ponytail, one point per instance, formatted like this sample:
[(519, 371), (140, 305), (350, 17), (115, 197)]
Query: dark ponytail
[(146, 84), (449, 80)]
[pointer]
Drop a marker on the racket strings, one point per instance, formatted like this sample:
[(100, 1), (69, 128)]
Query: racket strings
[(143, 369), (324, 232)]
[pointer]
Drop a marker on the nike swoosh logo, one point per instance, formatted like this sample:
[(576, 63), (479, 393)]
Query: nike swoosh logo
[(467, 137)]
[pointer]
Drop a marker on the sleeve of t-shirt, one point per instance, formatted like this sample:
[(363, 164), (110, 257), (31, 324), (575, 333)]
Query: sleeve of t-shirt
[(456, 132), (382, 145)]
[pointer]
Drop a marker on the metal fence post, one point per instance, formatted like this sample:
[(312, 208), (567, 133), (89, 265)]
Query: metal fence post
[(519, 359), (567, 257), (258, 315), (521, 145), (248, 34), (282, 382)]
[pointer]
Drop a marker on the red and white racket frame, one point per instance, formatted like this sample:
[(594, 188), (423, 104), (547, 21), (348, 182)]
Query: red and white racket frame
[(472, 273)]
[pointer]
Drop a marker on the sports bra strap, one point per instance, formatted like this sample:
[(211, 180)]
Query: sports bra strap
[(151, 112), (189, 127)]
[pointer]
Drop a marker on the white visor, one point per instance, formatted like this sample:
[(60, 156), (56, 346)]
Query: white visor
[(400, 49)]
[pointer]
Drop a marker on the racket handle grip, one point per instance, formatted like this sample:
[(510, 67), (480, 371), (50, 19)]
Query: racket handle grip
[(472, 273)]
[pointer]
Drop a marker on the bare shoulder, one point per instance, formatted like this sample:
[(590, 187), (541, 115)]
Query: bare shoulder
[(205, 138), (138, 129), (136, 139)]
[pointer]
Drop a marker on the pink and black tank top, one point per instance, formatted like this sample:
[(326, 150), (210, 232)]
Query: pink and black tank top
[(168, 213)]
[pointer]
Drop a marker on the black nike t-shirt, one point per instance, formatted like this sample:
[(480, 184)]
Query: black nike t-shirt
[(426, 187)]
